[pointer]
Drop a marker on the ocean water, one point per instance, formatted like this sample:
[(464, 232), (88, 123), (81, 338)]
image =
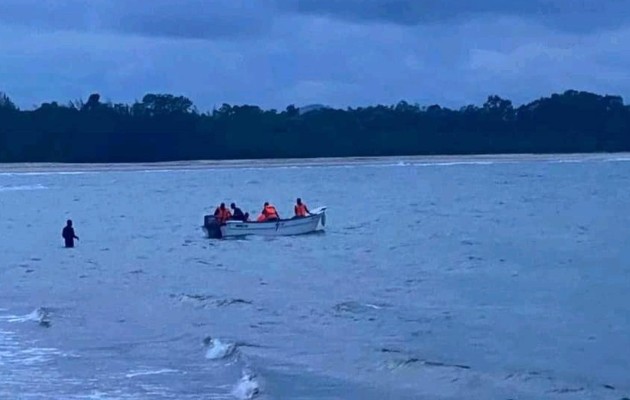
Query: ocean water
[(493, 278)]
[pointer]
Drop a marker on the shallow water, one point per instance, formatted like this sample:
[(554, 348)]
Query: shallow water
[(449, 280)]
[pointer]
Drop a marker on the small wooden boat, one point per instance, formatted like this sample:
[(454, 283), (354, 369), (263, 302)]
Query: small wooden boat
[(315, 221)]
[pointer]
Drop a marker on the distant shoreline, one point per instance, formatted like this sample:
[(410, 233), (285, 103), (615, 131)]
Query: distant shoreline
[(166, 129), (311, 162)]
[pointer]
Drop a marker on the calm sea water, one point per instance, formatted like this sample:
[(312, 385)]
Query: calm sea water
[(461, 279)]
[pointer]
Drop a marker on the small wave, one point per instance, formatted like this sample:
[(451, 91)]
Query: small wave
[(39, 355), (411, 361), (161, 171), (17, 354), (206, 301), (356, 307), (41, 173), (40, 315), (229, 302), (196, 300), (217, 350), (134, 374), (22, 187), (447, 163), (247, 387)]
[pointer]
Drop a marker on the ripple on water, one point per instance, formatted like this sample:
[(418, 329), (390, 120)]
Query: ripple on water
[(26, 367), (17, 188), (209, 301), (146, 372), (354, 307)]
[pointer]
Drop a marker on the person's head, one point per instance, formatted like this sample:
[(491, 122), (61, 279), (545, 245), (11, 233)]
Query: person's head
[(222, 206), (299, 201), (266, 203), (69, 222), (232, 206)]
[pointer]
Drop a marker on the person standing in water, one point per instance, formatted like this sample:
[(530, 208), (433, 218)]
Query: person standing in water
[(69, 235)]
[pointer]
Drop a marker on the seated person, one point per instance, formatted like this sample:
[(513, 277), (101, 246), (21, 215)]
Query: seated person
[(269, 213), (237, 214), (300, 209), (222, 214)]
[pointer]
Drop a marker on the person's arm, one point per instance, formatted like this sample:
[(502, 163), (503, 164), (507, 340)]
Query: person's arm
[(74, 235), (307, 210)]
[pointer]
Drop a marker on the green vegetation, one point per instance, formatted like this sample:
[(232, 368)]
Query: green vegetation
[(164, 127)]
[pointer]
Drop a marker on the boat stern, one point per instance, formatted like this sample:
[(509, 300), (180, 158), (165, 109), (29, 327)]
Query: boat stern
[(212, 227)]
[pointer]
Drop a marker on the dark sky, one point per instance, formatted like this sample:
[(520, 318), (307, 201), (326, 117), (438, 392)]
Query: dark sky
[(337, 52)]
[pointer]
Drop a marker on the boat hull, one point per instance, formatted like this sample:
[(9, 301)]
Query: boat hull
[(285, 227)]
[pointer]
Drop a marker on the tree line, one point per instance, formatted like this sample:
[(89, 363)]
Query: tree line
[(165, 127)]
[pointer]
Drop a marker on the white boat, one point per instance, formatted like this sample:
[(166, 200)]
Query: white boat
[(315, 221)]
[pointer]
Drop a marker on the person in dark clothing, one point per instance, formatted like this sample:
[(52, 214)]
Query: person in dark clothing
[(237, 213), (68, 234)]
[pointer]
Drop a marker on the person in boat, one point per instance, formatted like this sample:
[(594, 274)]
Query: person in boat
[(222, 214), (68, 234), (268, 213), (300, 209), (237, 214)]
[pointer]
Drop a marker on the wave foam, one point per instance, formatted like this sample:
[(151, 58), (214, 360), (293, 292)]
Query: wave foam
[(40, 315), (17, 354), (45, 173), (217, 350), (134, 374), (17, 188), (247, 387)]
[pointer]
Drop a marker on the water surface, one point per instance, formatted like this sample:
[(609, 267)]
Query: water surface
[(451, 278)]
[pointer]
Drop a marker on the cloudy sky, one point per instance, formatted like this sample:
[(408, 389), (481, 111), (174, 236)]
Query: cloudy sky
[(337, 52)]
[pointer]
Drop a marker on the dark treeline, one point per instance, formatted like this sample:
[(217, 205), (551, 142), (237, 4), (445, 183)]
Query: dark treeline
[(164, 127)]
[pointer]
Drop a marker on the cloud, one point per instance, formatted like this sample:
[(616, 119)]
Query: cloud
[(195, 19), (270, 54), (571, 15), (192, 18), (596, 63), (241, 19)]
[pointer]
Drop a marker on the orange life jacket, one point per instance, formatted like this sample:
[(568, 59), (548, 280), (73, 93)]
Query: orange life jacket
[(270, 212), (224, 215), (300, 210)]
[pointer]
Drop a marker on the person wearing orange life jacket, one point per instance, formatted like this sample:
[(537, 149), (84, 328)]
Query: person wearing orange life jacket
[(222, 214), (300, 209), (268, 213)]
